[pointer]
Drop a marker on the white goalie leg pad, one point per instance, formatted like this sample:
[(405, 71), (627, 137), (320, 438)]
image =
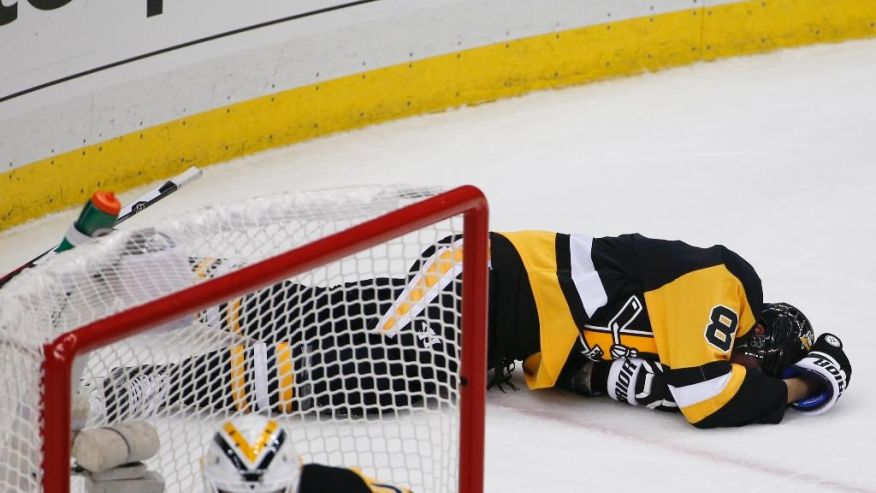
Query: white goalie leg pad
[(101, 449), (146, 482), (134, 470)]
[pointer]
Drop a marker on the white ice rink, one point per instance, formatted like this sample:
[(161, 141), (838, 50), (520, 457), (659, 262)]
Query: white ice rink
[(773, 156)]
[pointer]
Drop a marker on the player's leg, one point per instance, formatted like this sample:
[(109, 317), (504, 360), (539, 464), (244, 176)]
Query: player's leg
[(276, 333), (513, 325)]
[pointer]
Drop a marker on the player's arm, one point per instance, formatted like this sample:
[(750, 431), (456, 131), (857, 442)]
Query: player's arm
[(758, 399), (724, 394), (812, 385), (718, 394), (635, 381), (316, 478), (799, 388)]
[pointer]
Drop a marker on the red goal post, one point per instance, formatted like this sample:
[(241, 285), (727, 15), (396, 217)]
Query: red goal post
[(467, 201)]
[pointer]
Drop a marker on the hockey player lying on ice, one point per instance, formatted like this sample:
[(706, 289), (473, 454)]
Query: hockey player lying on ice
[(652, 323)]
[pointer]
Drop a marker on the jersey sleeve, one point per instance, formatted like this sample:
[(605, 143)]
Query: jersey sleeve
[(722, 394), (316, 478)]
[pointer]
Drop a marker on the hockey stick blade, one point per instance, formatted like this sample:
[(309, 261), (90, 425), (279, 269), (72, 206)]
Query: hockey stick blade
[(126, 213)]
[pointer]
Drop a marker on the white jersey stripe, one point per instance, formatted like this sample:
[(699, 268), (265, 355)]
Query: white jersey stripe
[(260, 400), (699, 392), (584, 275)]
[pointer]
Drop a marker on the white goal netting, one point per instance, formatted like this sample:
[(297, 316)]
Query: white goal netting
[(359, 358)]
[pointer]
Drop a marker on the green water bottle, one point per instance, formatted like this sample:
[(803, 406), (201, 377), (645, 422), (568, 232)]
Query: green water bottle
[(97, 219)]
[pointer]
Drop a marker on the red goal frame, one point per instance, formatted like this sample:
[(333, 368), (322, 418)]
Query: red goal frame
[(466, 200)]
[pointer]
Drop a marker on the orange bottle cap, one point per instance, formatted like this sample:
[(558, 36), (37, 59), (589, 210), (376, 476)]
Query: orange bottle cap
[(106, 202)]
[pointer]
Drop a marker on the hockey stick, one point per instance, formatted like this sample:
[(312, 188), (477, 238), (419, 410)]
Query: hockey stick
[(159, 193), (126, 213)]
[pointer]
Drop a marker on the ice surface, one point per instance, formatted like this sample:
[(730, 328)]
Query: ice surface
[(772, 156)]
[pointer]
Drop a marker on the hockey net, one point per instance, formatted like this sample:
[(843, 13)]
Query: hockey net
[(338, 313)]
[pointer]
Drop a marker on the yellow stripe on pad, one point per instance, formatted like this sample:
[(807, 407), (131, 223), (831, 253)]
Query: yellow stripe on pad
[(237, 359), (286, 377), (435, 274)]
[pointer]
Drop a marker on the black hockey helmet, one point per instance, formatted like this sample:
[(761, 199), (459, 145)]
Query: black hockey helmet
[(781, 338)]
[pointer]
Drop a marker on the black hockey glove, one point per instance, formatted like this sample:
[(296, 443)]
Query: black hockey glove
[(828, 365), (588, 379), (640, 382)]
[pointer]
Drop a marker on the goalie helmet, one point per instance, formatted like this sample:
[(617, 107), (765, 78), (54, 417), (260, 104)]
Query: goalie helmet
[(252, 454), (781, 338)]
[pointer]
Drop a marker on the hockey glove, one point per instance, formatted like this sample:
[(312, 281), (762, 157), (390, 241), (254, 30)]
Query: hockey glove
[(640, 382), (828, 365), (589, 379)]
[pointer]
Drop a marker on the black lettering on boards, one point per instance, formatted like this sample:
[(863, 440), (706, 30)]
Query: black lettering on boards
[(49, 4), (154, 7), (8, 13)]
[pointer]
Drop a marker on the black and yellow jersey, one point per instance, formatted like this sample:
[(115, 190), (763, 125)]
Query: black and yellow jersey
[(612, 297)]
